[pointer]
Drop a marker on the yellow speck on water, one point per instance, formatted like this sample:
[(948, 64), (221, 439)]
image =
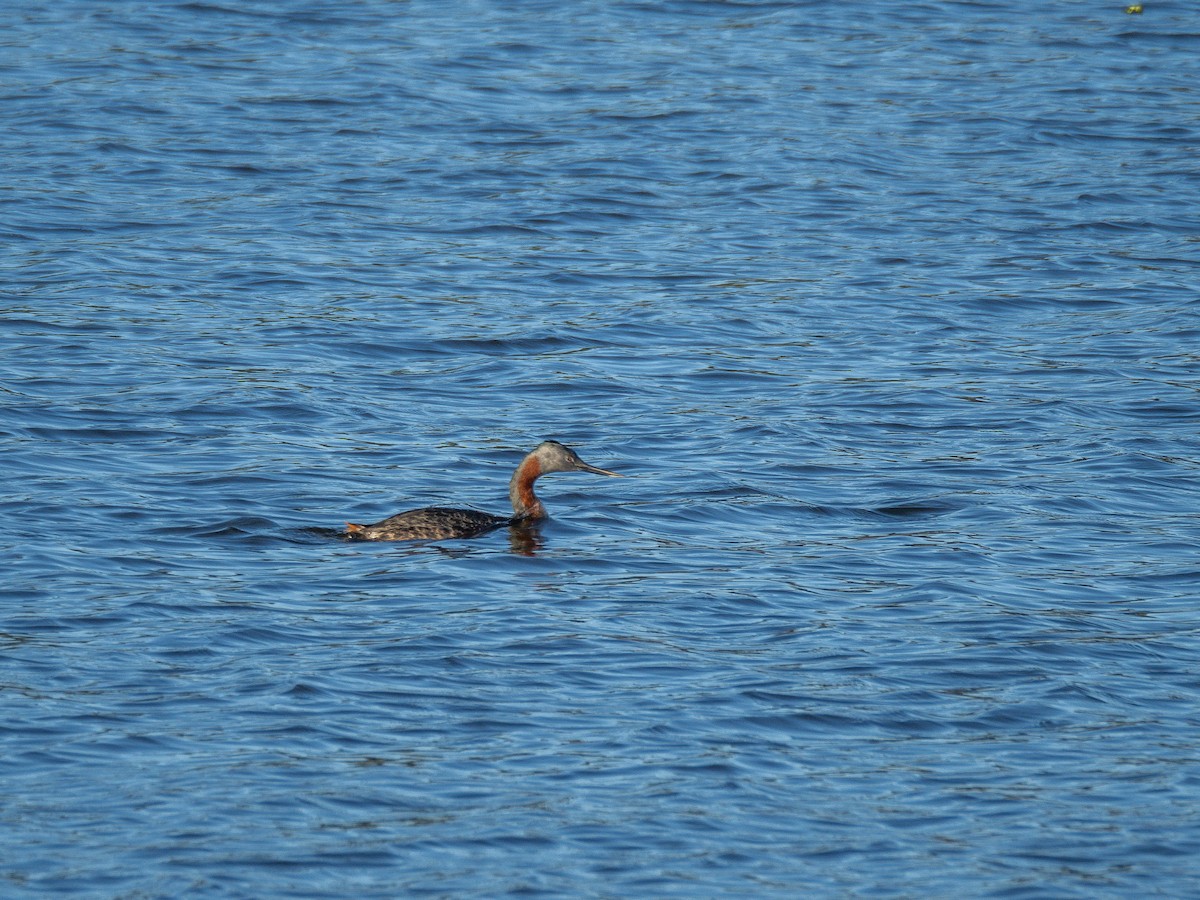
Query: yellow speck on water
[(1135, 10)]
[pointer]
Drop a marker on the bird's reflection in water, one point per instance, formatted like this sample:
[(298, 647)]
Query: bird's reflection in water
[(525, 538)]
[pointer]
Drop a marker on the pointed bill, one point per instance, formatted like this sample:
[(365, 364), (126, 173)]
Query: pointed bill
[(586, 467)]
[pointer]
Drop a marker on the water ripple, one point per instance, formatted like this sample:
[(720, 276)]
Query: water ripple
[(890, 319)]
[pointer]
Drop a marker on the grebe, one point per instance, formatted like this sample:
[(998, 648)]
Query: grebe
[(435, 523)]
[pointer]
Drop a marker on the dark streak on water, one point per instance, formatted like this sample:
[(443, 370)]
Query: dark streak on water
[(891, 310)]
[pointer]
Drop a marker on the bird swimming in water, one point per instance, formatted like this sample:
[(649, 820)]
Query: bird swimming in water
[(435, 523)]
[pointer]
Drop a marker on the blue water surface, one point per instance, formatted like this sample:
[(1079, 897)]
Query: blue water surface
[(889, 310)]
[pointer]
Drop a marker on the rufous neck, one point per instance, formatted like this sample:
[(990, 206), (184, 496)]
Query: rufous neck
[(525, 503)]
